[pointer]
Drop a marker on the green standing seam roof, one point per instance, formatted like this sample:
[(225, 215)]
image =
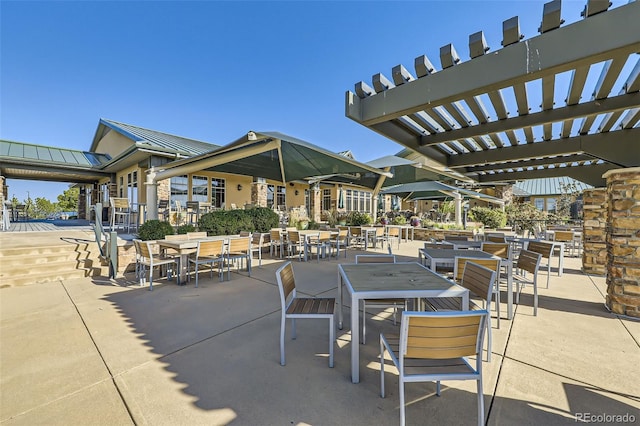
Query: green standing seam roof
[(548, 186), (50, 155), (153, 138)]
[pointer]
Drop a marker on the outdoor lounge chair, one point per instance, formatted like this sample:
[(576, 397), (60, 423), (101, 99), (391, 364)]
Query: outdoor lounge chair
[(239, 249), (545, 249), (434, 346), (528, 261), (208, 253), (146, 258), (294, 307)]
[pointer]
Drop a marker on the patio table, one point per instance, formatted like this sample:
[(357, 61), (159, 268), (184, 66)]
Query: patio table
[(402, 280), (185, 247), (465, 244), (434, 257)]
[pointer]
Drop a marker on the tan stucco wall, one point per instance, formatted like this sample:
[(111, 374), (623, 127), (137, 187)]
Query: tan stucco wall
[(113, 143)]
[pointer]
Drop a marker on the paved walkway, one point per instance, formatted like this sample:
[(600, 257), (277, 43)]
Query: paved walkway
[(94, 351)]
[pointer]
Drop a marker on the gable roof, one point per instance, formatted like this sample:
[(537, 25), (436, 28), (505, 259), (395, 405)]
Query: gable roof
[(152, 138), (547, 186)]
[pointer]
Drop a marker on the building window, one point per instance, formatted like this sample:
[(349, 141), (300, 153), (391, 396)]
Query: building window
[(281, 197), (539, 203), (132, 190), (217, 193), (349, 200), (199, 188), (551, 204), (179, 190), (277, 194), (121, 187), (326, 199)]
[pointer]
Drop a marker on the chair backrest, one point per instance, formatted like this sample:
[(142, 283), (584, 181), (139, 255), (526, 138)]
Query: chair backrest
[(286, 284), (239, 245), (442, 335), (343, 233), (143, 248), (175, 237), (442, 246), (245, 233), (193, 205), (529, 261), (324, 236), (563, 236), (542, 247), (457, 238), (479, 281), (257, 239), (193, 235), (355, 231), (163, 204), (119, 203), (502, 250), (375, 258), (294, 237), (495, 239), (275, 234), (460, 261), (379, 231), (210, 248)]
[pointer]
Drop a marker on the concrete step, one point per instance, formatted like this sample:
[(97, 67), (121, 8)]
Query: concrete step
[(50, 249), (47, 276), (50, 262)]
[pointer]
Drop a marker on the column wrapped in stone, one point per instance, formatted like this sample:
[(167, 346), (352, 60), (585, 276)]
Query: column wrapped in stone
[(594, 233), (623, 241)]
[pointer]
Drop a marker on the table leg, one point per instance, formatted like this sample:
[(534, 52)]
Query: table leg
[(355, 339), (184, 259), (509, 289), (561, 260), (340, 315)]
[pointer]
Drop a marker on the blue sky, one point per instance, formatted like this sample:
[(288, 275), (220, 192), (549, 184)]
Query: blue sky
[(213, 70)]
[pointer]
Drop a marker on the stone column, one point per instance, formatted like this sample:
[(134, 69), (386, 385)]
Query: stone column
[(259, 194), (316, 204), (623, 241), (594, 233)]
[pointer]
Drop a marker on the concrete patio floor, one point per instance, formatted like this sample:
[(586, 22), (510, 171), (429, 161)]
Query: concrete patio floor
[(98, 351)]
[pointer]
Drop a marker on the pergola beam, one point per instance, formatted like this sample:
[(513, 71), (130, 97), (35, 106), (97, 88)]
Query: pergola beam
[(594, 107), (591, 174), (554, 52), (620, 147)]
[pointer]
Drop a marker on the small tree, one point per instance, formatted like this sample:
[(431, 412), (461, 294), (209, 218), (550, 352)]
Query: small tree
[(68, 200), (568, 195)]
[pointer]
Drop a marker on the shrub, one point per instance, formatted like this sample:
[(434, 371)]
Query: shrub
[(223, 222), (399, 220), (154, 230), (263, 218), (490, 218), (359, 219), (183, 229)]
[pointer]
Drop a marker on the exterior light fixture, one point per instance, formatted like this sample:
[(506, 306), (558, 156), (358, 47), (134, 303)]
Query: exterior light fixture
[(239, 187)]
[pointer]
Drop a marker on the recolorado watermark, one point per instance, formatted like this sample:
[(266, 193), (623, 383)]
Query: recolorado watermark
[(605, 418)]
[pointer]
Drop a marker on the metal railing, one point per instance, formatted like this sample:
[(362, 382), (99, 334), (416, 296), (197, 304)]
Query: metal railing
[(109, 251)]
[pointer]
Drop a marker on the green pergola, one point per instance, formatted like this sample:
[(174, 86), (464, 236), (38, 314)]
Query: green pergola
[(443, 115)]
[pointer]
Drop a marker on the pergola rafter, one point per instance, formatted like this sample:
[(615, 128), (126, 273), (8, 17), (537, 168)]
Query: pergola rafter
[(441, 114)]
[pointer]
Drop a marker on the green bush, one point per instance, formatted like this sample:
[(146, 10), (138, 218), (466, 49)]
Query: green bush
[(399, 220), (359, 219), (183, 229), (226, 222), (263, 218), (154, 230), (490, 218)]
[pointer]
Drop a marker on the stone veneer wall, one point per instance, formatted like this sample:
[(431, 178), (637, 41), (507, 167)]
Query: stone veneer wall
[(623, 241), (594, 235), (259, 194)]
